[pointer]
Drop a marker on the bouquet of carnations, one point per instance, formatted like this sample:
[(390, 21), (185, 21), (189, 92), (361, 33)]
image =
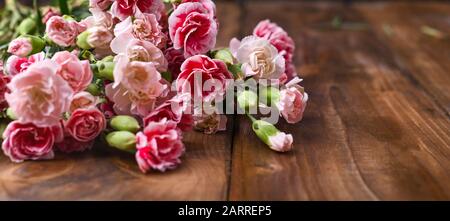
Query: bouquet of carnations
[(137, 74)]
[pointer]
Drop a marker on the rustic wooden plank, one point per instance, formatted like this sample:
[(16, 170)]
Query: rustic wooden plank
[(426, 58), (104, 175), (369, 131)]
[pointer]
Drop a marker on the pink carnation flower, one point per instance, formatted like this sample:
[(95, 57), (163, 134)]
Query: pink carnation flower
[(16, 65), (39, 95), (26, 141), (20, 46), (144, 28), (280, 39), (173, 110), (208, 70), (159, 146), (85, 125), (77, 73), (193, 29), (63, 32), (131, 49), (292, 101), (83, 100), (125, 8)]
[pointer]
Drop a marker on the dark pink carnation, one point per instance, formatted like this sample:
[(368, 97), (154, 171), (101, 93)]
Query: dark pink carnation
[(192, 29), (159, 146), (26, 141)]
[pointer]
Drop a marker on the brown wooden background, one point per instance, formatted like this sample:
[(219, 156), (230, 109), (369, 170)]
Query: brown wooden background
[(376, 127)]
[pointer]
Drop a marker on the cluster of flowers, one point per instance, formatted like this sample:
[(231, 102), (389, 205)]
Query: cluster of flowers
[(131, 72)]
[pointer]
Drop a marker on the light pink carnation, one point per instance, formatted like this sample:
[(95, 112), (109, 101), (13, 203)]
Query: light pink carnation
[(280, 39), (258, 57), (130, 49), (192, 29), (39, 95), (126, 103), (77, 73), (83, 100), (63, 32), (136, 87), (122, 9), (292, 101), (99, 37), (144, 28), (281, 142), (159, 146), (20, 47)]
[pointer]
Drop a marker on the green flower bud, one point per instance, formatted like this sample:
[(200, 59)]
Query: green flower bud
[(10, 114), (37, 43), (269, 95), (247, 99), (108, 58), (82, 40), (3, 126), (122, 140), (264, 129), (125, 123), (235, 69), (105, 70), (271, 136), (224, 55), (94, 89), (27, 26)]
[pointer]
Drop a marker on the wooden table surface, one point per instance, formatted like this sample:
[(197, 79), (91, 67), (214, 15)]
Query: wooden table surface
[(377, 124)]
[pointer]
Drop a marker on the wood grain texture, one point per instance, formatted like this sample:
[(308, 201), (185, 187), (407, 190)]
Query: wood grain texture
[(376, 127), (104, 175), (425, 59), (370, 132)]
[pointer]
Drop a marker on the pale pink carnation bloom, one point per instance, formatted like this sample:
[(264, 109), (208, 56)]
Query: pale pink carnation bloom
[(122, 9), (281, 142), (131, 49), (126, 103), (77, 73), (280, 39), (141, 79), (99, 37), (83, 100), (20, 46), (293, 100), (192, 29), (258, 57), (63, 32), (144, 28), (39, 95)]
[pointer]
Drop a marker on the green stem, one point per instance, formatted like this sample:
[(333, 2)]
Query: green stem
[(40, 26), (63, 7), (251, 117)]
